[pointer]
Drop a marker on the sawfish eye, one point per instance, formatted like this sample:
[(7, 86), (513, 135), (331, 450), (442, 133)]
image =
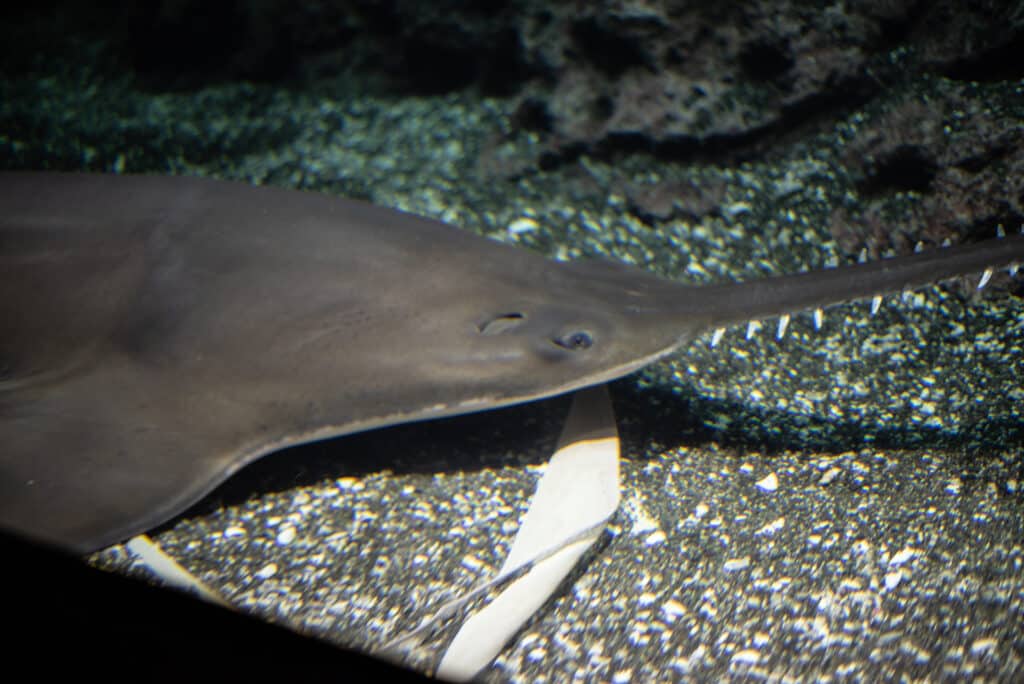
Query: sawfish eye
[(575, 341)]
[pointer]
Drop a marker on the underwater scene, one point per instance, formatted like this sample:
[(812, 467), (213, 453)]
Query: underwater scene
[(831, 494)]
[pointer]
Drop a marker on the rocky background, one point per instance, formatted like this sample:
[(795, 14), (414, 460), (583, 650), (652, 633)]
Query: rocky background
[(683, 82)]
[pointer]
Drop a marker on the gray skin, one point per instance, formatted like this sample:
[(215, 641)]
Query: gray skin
[(159, 333)]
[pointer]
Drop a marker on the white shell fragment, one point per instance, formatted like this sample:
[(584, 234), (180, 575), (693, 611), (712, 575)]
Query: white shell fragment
[(768, 483), (521, 225)]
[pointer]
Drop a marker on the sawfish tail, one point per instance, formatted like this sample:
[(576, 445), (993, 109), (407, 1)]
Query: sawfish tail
[(734, 303)]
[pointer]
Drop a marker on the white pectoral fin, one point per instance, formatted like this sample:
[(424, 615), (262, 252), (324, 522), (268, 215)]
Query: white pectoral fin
[(170, 572), (575, 497)]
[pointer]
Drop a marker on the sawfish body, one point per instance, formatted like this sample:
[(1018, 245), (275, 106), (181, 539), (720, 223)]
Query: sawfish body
[(159, 333)]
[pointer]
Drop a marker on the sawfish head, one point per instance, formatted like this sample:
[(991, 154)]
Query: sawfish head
[(503, 335)]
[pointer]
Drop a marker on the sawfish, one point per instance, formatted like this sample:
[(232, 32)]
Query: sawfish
[(159, 333)]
